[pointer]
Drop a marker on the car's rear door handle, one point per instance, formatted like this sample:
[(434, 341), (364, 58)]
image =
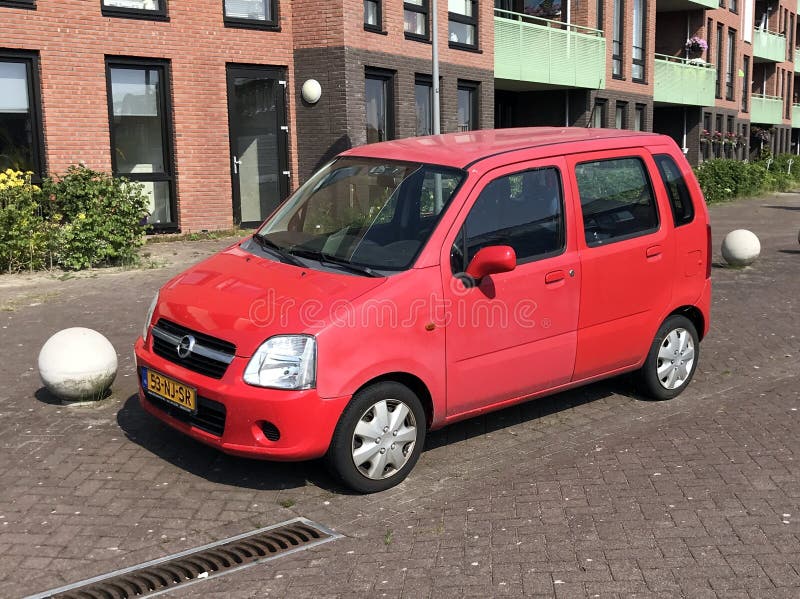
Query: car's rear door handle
[(653, 251), (554, 277)]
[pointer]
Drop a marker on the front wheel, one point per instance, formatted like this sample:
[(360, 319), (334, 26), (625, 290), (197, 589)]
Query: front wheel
[(672, 359), (379, 438)]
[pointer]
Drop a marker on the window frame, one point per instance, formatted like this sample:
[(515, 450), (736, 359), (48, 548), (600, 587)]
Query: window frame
[(745, 83), (273, 24), (459, 18), (687, 218), (730, 66), (31, 62), (639, 62), (167, 131), (424, 9), (388, 77), (618, 41), (423, 81), (601, 105), (27, 4), (474, 87), (621, 113), (136, 13), (720, 39), (648, 180), (378, 28)]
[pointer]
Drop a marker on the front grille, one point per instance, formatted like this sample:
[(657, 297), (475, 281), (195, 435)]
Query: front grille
[(210, 415), (210, 356)]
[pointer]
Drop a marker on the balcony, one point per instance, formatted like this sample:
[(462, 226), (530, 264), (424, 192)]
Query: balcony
[(766, 109), (539, 53), (796, 116), (768, 46), (680, 81), (676, 5)]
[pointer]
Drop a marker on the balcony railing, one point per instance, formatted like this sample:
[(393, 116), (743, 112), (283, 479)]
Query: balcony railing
[(766, 109), (796, 116), (681, 81), (768, 46), (548, 52)]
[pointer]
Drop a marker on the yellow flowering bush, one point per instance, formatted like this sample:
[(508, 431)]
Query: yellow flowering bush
[(24, 234)]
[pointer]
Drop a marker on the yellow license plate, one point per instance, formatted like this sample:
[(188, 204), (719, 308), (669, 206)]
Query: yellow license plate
[(171, 390)]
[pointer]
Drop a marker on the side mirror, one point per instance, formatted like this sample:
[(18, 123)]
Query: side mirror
[(492, 260)]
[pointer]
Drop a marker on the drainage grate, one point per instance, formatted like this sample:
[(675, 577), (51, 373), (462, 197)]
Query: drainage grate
[(188, 567)]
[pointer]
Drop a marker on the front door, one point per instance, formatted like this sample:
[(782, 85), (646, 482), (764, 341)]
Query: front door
[(512, 334), (258, 133)]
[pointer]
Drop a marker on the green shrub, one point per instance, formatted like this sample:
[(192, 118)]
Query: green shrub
[(100, 218), (723, 180), (24, 234)]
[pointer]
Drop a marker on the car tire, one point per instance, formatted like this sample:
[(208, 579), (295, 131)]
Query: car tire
[(672, 359), (374, 447)]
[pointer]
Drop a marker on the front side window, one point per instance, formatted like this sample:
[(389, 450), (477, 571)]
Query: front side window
[(638, 58), (251, 13), (135, 8), (423, 99), (379, 106), (679, 197), (20, 114), (617, 200), (415, 19), (467, 106), (363, 212), (372, 15), (141, 133), (524, 210), (462, 23)]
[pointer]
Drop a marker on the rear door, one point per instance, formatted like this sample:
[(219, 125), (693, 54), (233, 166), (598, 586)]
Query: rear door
[(626, 251)]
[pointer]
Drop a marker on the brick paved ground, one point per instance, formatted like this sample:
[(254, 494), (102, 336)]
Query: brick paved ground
[(589, 493)]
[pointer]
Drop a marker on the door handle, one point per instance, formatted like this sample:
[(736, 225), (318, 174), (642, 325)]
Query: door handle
[(554, 277), (236, 163), (653, 251)]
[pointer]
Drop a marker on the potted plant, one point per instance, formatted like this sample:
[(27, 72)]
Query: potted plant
[(696, 45)]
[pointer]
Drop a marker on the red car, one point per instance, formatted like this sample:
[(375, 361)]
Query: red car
[(417, 282)]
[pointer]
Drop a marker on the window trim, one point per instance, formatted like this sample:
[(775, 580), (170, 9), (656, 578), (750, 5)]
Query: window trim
[(730, 67), (135, 13), (473, 20), (720, 39), (642, 62), (475, 88), (658, 159), (26, 4), (273, 24), (388, 76), (31, 62), (427, 81), (618, 18), (424, 9), (379, 14), (167, 131)]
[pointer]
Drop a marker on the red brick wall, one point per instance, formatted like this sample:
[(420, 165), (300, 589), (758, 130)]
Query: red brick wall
[(73, 39)]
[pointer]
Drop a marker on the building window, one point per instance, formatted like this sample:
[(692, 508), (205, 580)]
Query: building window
[(21, 138), (462, 23), (467, 106), (620, 120), (733, 6), (18, 3), (423, 99), (415, 19), (788, 96), (718, 64), (638, 118), (147, 9), (617, 26), (705, 140), (251, 13), (790, 35), (379, 105), (141, 133), (599, 114), (372, 15), (600, 24), (729, 64), (745, 81), (639, 16), (718, 130)]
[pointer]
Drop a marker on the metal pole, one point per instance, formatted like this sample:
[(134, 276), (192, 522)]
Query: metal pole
[(435, 60)]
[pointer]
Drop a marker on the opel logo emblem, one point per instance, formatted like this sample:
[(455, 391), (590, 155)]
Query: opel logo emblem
[(185, 346)]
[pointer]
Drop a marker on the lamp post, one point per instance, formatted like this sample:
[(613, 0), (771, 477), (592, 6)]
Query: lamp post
[(435, 68)]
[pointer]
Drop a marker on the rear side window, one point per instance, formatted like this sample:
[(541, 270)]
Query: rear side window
[(617, 200), (679, 197), (524, 210)]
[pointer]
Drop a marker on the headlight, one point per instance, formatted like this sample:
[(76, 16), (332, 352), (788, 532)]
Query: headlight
[(149, 316), (284, 362)]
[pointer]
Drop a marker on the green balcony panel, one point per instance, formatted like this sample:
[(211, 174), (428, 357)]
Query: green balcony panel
[(538, 51), (768, 46), (679, 81), (796, 116), (766, 109)]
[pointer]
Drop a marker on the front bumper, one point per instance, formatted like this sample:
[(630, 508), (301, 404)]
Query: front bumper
[(304, 420)]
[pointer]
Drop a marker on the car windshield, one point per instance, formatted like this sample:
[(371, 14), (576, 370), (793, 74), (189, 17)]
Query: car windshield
[(369, 213)]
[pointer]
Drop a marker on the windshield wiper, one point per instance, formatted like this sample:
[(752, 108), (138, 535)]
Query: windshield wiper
[(286, 256), (330, 259)]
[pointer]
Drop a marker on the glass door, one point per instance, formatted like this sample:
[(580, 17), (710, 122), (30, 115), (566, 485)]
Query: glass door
[(258, 133)]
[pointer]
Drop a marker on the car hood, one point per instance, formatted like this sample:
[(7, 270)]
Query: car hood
[(244, 298)]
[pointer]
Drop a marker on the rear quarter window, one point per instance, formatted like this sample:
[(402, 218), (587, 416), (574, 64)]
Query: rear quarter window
[(679, 197)]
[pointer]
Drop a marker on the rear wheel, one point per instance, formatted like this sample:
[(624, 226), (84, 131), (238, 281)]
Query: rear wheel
[(672, 359), (379, 438)]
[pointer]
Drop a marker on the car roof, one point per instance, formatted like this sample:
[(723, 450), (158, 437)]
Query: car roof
[(462, 149)]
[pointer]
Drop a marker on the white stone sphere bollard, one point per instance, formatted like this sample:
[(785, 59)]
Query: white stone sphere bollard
[(740, 247), (78, 363)]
